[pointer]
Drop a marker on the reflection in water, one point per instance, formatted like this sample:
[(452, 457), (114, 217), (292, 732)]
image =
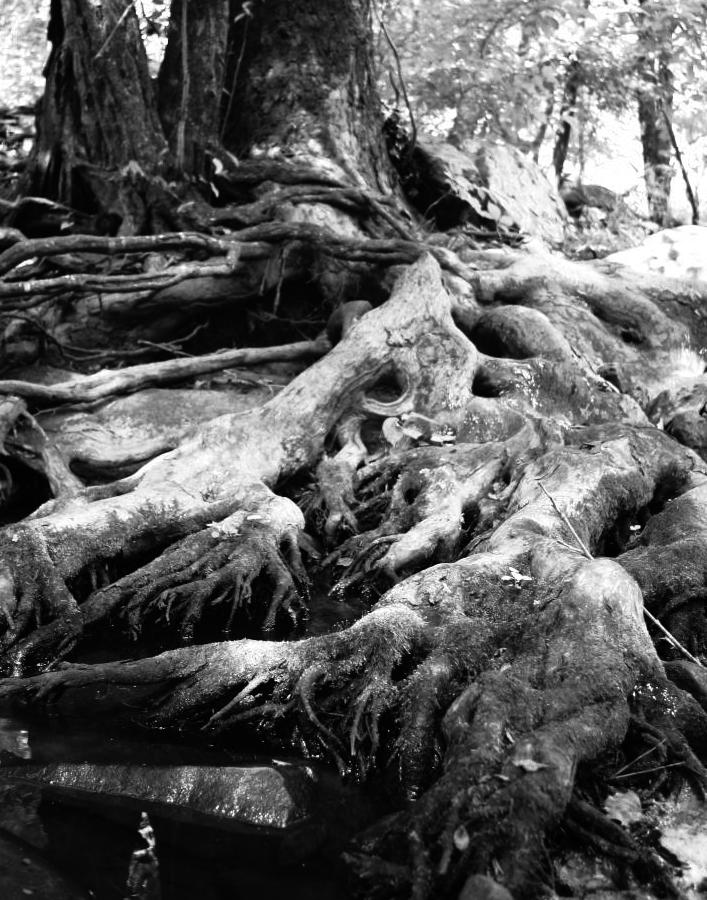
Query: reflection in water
[(144, 868), (154, 844), (14, 739)]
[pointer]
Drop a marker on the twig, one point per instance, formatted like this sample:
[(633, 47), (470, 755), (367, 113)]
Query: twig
[(173, 346), (184, 103), (123, 284), (117, 25), (247, 14), (649, 615), (673, 640), (653, 769), (280, 279), (566, 521), (403, 87), (166, 348), (640, 756), (678, 156), (110, 383)]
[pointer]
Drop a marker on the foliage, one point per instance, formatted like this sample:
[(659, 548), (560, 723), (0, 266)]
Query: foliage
[(23, 48), (487, 68)]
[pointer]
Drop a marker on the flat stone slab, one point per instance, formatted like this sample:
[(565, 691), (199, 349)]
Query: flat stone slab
[(273, 797)]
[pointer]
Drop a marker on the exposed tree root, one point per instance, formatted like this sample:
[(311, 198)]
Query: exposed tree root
[(225, 468), (109, 384), (499, 660), (514, 665)]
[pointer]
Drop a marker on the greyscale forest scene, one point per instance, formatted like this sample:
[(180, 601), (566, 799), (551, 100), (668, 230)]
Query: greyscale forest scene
[(353, 449)]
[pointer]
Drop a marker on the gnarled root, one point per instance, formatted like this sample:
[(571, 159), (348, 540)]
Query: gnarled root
[(32, 591), (330, 506), (249, 566), (514, 738), (233, 683), (426, 500), (217, 567)]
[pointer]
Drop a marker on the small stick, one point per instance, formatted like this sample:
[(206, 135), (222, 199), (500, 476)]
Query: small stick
[(117, 26), (640, 756), (644, 771), (673, 640), (582, 545)]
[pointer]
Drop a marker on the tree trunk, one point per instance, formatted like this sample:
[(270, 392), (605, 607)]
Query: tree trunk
[(568, 112), (301, 86), (88, 135)]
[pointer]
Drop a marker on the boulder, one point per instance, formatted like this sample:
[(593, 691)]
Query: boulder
[(487, 185), (274, 797), (675, 252)]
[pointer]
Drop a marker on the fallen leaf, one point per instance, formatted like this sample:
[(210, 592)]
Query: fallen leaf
[(529, 765), (518, 576)]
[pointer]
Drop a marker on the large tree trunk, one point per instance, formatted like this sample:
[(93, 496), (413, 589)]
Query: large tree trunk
[(97, 116), (469, 468), (301, 87)]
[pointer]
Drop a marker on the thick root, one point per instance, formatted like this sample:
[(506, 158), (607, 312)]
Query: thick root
[(223, 566), (212, 568)]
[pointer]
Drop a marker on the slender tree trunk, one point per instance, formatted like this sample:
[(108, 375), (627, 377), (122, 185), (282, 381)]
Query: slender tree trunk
[(655, 104), (539, 138), (568, 111)]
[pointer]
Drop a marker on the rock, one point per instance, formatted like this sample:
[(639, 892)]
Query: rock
[(249, 796), (572, 196), (519, 332), (682, 410), (675, 252), (520, 186), (488, 185), (599, 197)]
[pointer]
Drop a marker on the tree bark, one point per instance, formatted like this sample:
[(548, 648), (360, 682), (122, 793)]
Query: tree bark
[(568, 111), (655, 105), (87, 135), (301, 85)]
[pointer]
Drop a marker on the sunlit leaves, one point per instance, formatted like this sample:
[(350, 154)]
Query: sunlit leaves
[(23, 50), (499, 66)]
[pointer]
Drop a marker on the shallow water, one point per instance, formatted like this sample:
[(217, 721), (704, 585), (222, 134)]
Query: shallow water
[(120, 847)]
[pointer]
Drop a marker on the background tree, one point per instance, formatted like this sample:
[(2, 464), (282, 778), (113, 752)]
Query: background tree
[(525, 72)]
